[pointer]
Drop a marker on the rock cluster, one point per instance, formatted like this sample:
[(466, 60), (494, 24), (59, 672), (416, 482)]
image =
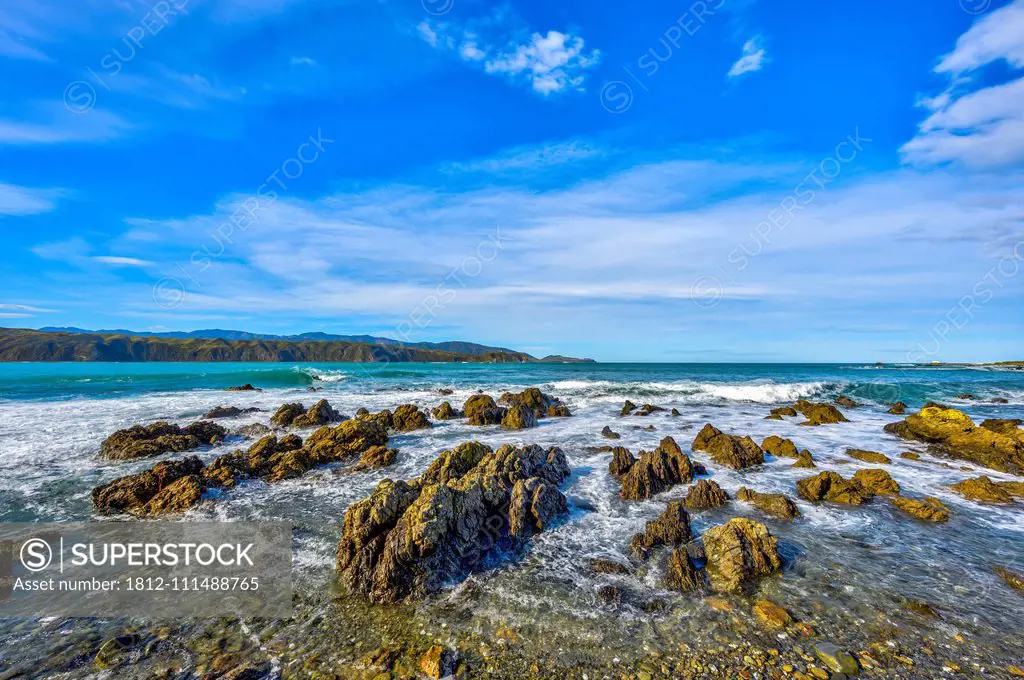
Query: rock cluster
[(728, 449), (297, 415), (607, 433), (146, 441), (410, 538), (175, 486), (816, 414), (984, 490), (542, 405), (777, 504), (405, 418), (830, 486), (658, 471), (517, 412), (445, 412), (996, 444)]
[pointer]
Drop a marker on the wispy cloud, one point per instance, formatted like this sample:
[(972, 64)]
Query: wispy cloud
[(17, 200), (548, 63), (303, 61), (754, 58), (53, 124), (980, 126), (122, 261)]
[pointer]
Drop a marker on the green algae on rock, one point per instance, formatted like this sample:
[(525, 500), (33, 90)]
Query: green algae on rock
[(148, 441)]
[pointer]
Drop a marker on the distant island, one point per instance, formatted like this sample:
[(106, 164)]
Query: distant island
[(74, 344)]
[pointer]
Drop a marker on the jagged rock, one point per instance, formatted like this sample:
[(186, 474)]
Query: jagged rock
[(518, 416), (602, 565), (627, 408), (375, 458), (819, 414), (897, 409), (269, 458), (929, 509), (847, 402), (780, 412), (480, 409), (771, 615), (657, 471), (999, 446), (407, 418), (675, 413), (727, 449), (1008, 426), (346, 440), (706, 494), (647, 409), (804, 460), (437, 663), (984, 490), (875, 482), (739, 551), (829, 486), (252, 431), (362, 412), (780, 447), (869, 456), (320, 413), (541, 404), (683, 574), (1012, 578), (608, 434), (410, 538), (284, 416), (622, 461), (136, 493), (146, 441), (445, 412), (227, 412), (244, 388), (776, 504), (671, 528)]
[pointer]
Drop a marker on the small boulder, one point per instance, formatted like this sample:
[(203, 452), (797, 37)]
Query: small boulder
[(244, 388), (627, 408), (738, 552), (407, 418), (671, 528), (284, 416), (897, 409), (983, 490), (836, 659), (227, 412), (621, 462), (869, 456), (320, 413), (780, 447), (771, 615), (607, 433), (375, 458), (928, 509), (601, 565), (542, 405), (347, 440), (830, 486), (819, 414), (705, 495), (804, 460), (480, 409), (518, 417), (727, 449), (1012, 578), (445, 412), (847, 402), (776, 504), (781, 412), (657, 471), (875, 482)]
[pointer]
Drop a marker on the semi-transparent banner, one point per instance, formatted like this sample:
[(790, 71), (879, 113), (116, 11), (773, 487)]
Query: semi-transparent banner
[(156, 570)]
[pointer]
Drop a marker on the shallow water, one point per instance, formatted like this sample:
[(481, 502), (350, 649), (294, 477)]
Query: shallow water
[(861, 563)]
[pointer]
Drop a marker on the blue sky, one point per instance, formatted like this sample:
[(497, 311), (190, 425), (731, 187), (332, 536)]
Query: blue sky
[(732, 180)]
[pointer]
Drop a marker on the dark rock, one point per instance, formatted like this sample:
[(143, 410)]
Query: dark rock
[(445, 412), (819, 414), (738, 552), (227, 412), (146, 441), (244, 388), (983, 490), (622, 461), (966, 397), (1000, 400), (727, 449), (705, 495), (1012, 578), (409, 539), (320, 413), (782, 411), (776, 504), (657, 471), (136, 493), (602, 565), (847, 402), (480, 409), (607, 433), (627, 408), (252, 431), (671, 528), (897, 409), (829, 486)]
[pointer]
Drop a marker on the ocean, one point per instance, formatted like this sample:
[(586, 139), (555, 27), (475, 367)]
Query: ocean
[(865, 562)]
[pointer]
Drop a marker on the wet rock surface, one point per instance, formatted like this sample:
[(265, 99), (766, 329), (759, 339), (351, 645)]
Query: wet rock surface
[(727, 449), (739, 552), (147, 441), (776, 504), (830, 486), (671, 528), (657, 471), (705, 495), (928, 509)]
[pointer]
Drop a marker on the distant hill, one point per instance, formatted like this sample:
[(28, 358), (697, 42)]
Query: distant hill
[(126, 346)]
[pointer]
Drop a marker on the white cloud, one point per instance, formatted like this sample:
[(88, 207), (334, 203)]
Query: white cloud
[(16, 200), (754, 58), (548, 63), (977, 126), (9, 307), (56, 125), (122, 261), (303, 61), (531, 158)]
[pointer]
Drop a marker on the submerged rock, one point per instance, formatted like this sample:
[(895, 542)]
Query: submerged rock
[(847, 402), (1012, 578), (244, 388), (671, 528), (984, 490), (146, 441), (836, 659), (167, 486), (252, 431), (897, 409), (409, 539), (999, 445), (830, 486), (607, 433), (705, 495), (771, 615), (738, 552), (227, 412), (603, 565), (804, 460), (657, 471), (869, 456), (780, 412), (622, 461), (780, 447), (727, 449), (875, 482), (928, 509), (776, 504), (819, 414)]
